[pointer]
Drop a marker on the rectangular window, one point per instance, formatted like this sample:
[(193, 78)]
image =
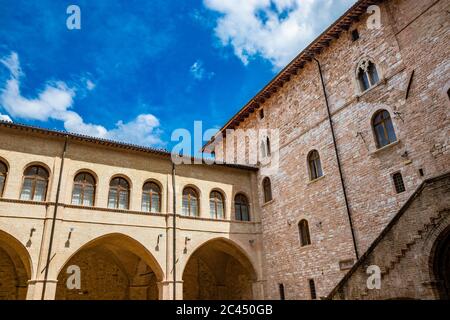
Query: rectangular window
[(261, 114), (398, 182), (312, 288), (281, 288)]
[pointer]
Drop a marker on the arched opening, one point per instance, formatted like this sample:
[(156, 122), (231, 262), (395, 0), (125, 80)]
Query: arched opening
[(113, 267), (15, 268), (218, 270), (441, 264)]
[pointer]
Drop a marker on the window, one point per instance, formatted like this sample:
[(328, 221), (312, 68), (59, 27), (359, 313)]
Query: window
[(312, 289), (398, 182), (367, 75), (241, 208), (190, 202), (35, 183), (303, 229), (267, 186), (268, 147), (216, 205), (315, 167), (355, 35), (281, 289), (151, 197), (119, 194), (83, 189), (3, 174), (261, 114), (383, 128)]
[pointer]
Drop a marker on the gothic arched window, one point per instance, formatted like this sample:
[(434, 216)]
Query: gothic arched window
[(367, 75)]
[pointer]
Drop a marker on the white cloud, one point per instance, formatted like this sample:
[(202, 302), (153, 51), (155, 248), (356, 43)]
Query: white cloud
[(55, 102), (277, 30), (5, 117), (90, 85), (198, 71)]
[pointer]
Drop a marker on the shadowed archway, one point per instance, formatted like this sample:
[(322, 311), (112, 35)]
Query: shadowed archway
[(441, 264), (113, 267), (15, 268), (218, 270)]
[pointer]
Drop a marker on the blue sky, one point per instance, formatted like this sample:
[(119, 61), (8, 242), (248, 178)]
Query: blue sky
[(137, 70)]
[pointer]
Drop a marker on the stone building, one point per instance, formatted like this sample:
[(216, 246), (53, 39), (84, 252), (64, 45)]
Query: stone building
[(359, 178)]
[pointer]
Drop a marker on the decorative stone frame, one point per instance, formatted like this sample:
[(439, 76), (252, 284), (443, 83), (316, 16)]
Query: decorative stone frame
[(364, 63)]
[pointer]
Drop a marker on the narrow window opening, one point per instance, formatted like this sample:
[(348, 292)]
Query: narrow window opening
[(261, 114), (312, 288), (282, 293)]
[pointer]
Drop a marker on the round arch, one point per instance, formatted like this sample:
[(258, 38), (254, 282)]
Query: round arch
[(16, 266), (218, 269), (112, 267)]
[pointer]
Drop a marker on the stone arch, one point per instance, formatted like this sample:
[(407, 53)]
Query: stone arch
[(439, 260), (15, 268), (431, 249), (218, 269), (113, 267)]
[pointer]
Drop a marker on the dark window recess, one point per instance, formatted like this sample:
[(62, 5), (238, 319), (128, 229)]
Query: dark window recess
[(398, 182), (448, 94), (303, 230), (312, 288), (421, 172), (281, 288), (261, 114), (355, 35)]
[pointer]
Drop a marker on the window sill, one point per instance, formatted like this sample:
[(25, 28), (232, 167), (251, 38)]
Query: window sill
[(316, 180), (389, 146), (380, 83), (268, 203)]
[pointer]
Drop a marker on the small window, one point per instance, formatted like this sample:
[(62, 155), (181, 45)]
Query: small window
[(312, 289), (383, 128), (3, 174), (261, 114), (190, 202), (355, 35), (303, 230), (398, 182), (241, 208), (448, 94), (151, 198), (268, 149), (119, 194), (315, 166), (83, 189), (216, 205), (367, 75), (282, 293), (267, 187), (35, 182)]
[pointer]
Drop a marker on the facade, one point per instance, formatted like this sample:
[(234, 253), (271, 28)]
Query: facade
[(362, 156)]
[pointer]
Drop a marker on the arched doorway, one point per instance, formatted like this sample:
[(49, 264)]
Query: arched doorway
[(218, 270), (441, 264), (15, 268), (113, 267)]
